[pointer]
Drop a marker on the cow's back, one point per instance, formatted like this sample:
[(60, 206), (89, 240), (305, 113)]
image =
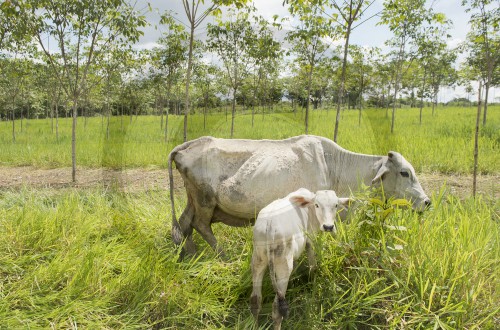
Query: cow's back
[(270, 168)]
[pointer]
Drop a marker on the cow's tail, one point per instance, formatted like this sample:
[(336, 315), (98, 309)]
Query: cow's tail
[(177, 235)]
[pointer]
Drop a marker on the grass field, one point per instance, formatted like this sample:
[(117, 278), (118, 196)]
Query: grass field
[(101, 258), (443, 143)]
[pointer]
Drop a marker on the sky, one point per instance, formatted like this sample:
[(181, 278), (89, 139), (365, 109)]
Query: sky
[(366, 34)]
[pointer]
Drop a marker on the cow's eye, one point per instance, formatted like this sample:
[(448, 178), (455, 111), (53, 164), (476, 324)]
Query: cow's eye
[(316, 205), (405, 174)]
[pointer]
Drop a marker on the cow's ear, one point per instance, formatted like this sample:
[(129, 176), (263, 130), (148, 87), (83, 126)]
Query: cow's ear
[(345, 201), (380, 173), (394, 157), (301, 200)]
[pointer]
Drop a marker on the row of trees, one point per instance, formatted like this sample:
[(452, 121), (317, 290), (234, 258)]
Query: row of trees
[(75, 57)]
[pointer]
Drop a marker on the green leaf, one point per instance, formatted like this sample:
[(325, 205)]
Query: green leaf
[(400, 202)]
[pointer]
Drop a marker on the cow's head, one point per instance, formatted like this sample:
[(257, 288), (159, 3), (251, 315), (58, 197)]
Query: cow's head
[(324, 204), (399, 180)]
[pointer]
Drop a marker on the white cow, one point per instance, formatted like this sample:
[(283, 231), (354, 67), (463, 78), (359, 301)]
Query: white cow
[(230, 181), (282, 231)]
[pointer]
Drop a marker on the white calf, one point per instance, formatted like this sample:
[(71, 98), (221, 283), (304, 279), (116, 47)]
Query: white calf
[(282, 231)]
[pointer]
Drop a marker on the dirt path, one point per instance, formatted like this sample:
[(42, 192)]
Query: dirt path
[(136, 180)]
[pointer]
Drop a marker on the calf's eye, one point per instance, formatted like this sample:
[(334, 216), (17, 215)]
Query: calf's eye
[(316, 205), (405, 174)]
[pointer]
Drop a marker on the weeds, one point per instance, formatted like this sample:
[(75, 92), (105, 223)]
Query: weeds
[(94, 259)]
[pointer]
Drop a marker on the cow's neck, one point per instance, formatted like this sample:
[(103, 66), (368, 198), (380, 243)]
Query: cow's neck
[(349, 170)]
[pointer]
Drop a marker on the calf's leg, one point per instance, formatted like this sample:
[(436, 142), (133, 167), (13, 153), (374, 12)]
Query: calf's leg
[(259, 266), (311, 256), (280, 269)]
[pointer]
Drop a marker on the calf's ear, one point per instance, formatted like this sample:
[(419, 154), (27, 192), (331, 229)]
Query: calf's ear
[(301, 200)]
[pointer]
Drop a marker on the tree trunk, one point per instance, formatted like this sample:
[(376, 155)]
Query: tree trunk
[(434, 102), (393, 116), (476, 141), (233, 112), (188, 80), (422, 96), (167, 104), (165, 131), (57, 122), (107, 124), (342, 82), (308, 102), (13, 126), (159, 107), (205, 111), (52, 109), (359, 116), (486, 92), (73, 141)]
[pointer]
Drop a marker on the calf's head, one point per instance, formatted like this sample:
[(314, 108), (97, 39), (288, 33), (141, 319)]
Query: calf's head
[(398, 178), (324, 204)]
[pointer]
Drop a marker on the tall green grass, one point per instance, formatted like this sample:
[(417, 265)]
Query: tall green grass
[(442, 143), (104, 259), (98, 259)]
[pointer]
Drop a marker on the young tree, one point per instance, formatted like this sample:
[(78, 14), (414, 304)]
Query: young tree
[(476, 140), (361, 73), (431, 55), (169, 59), (12, 81), (405, 18), (441, 72), (231, 41), (350, 11), (195, 18), (205, 78), (483, 41), (308, 40), (78, 29), (266, 55)]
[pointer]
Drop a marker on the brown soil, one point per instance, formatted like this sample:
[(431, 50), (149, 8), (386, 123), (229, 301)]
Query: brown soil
[(136, 180)]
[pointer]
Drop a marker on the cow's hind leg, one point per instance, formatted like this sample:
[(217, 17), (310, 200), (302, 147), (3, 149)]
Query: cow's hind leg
[(206, 232), (185, 223), (202, 222)]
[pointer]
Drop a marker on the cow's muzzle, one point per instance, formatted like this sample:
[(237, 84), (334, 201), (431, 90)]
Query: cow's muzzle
[(328, 228)]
